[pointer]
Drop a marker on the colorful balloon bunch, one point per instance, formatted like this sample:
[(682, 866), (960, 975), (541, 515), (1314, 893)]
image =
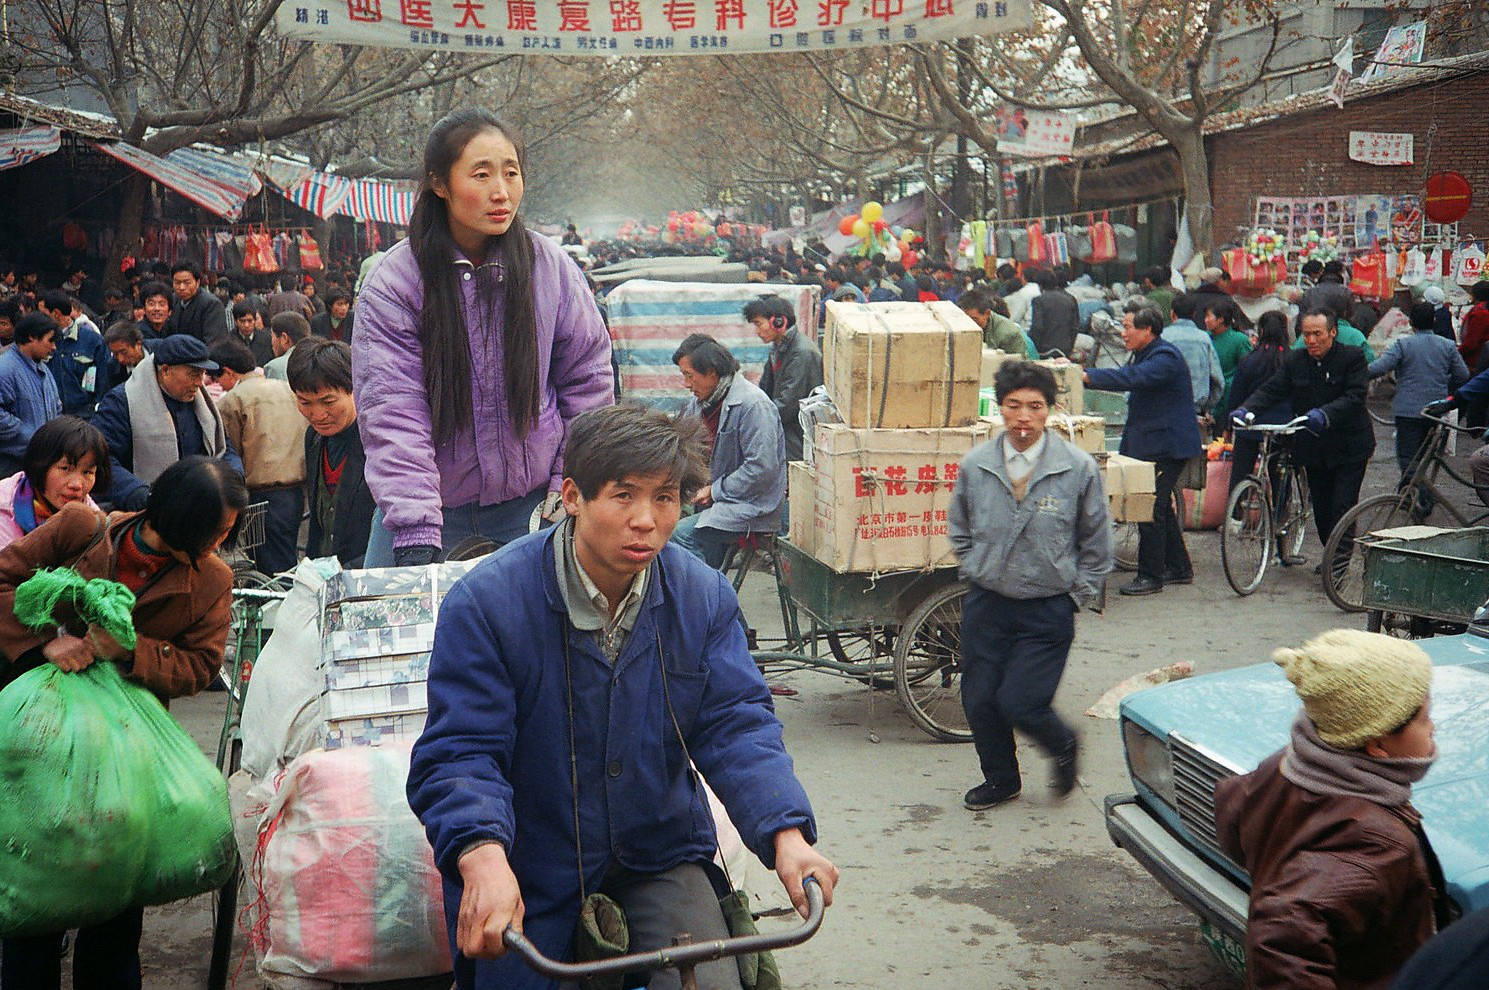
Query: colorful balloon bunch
[(689, 226), (876, 236), (1318, 246), (1265, 245)]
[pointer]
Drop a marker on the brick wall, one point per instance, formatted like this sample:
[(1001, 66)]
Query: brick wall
[(1308, 154)]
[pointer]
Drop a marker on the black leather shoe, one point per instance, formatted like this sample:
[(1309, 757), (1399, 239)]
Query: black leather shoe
[(1064, 779), (1142, 586), (1178, 577), (985, 796)]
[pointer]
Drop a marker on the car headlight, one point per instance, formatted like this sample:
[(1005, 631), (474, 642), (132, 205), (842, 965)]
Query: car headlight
[(1149, 760)]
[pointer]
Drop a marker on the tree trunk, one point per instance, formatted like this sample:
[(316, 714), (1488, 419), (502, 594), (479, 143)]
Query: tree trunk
[(131, 220), (1198, 204)]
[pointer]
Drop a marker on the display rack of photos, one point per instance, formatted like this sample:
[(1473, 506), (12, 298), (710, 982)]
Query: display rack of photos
[(1327, 227)]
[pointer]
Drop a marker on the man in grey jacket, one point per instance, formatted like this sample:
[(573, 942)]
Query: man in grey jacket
[(792, 369), (1029, 525), (747, 464)]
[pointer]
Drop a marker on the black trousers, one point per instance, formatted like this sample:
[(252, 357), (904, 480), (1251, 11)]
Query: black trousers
[(658, 906), (106, 956), (1160, 543), (1335, 491), (278, 552), (1013, 655)]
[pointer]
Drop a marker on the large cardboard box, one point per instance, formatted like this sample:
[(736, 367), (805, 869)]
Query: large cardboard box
[(801, 495), (898, 365), (992, 360), (882, 495), (1086, 432), (1070, 390), (1130, 488)]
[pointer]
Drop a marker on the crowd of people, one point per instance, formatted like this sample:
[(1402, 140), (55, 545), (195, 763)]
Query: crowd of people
[(468, 397)]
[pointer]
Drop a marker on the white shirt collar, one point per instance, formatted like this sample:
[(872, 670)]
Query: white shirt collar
[(1020, 464)]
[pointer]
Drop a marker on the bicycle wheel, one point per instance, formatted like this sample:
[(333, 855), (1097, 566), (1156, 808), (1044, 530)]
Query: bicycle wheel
[(1378, 396), (928, 665), (1292, 515), (1246, 537), (1344, 555), (225, 906), (875, 646)]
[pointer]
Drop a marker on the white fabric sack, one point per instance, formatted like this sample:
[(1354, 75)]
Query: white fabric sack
[(282, 712), (1415, 270)]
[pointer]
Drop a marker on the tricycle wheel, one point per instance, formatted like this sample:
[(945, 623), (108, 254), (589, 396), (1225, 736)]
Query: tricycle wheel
[(871, 647), (1398, 624), (928, 665)]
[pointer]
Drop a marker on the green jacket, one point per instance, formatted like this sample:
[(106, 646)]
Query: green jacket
[(1230, 347), (1347, 335)]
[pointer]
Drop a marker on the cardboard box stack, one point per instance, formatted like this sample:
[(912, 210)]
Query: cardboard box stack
[(1131, 491), (377, 628), (905, 379), (1086, 432), (900, 365)]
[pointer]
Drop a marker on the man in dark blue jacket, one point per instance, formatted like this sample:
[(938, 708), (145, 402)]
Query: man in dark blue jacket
[(575, 674), (1162, 428), (160, 415)]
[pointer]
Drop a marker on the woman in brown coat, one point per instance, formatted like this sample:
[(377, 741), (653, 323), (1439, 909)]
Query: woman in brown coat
[(165, 555)]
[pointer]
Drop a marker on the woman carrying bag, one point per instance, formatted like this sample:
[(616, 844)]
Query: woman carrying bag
[(477, 344), (183, 592)]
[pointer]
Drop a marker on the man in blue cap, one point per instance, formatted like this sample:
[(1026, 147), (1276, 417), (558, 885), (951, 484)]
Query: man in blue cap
[(160, 415)]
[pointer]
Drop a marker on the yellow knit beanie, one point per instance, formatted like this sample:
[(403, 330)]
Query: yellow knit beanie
[(1357, 685)]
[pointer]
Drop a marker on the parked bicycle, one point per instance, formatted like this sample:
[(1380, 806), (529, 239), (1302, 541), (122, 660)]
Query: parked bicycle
[(1266, 517), (1418, 502)]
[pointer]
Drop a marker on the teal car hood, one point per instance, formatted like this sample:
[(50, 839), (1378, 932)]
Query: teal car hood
[(1242, 716)]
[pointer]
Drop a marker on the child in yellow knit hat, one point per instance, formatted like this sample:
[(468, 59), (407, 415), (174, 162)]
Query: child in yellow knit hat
[(1345, 886)]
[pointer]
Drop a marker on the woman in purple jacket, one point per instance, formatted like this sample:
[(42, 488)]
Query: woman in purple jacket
[(477, 344)]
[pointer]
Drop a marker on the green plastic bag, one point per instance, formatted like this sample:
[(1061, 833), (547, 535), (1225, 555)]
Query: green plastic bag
[(108, 803)]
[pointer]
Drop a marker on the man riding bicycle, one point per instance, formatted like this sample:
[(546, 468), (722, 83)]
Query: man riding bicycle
[(575, 677)]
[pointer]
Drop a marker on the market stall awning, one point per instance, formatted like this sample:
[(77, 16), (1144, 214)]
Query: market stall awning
[(22, 145), (322, 194), (238, 179), (193, 185), (384, 202)]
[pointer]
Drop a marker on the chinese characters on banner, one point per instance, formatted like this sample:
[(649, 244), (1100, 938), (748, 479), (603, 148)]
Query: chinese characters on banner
[(1377, 148), (1034, 132), (651, 27)]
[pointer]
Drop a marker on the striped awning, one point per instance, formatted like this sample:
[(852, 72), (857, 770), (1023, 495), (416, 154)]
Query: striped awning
[(22, 145), (202, 191), (238, 179), (322, 194), (385, 202)]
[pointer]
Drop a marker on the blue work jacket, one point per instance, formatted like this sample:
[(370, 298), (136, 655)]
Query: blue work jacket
[(493, 762), (1161, 424), (748, 464)]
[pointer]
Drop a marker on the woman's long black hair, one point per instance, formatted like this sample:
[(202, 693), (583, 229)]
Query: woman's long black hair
[(444, 330)]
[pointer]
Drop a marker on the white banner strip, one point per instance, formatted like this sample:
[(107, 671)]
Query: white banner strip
[(644, 27)]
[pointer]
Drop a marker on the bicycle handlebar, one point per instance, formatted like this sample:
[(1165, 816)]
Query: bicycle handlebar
[(1278, 428), (1440, 421), (679, 955)]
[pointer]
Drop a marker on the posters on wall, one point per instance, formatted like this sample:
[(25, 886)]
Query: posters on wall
[(1402, 46), (1355, 222)]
